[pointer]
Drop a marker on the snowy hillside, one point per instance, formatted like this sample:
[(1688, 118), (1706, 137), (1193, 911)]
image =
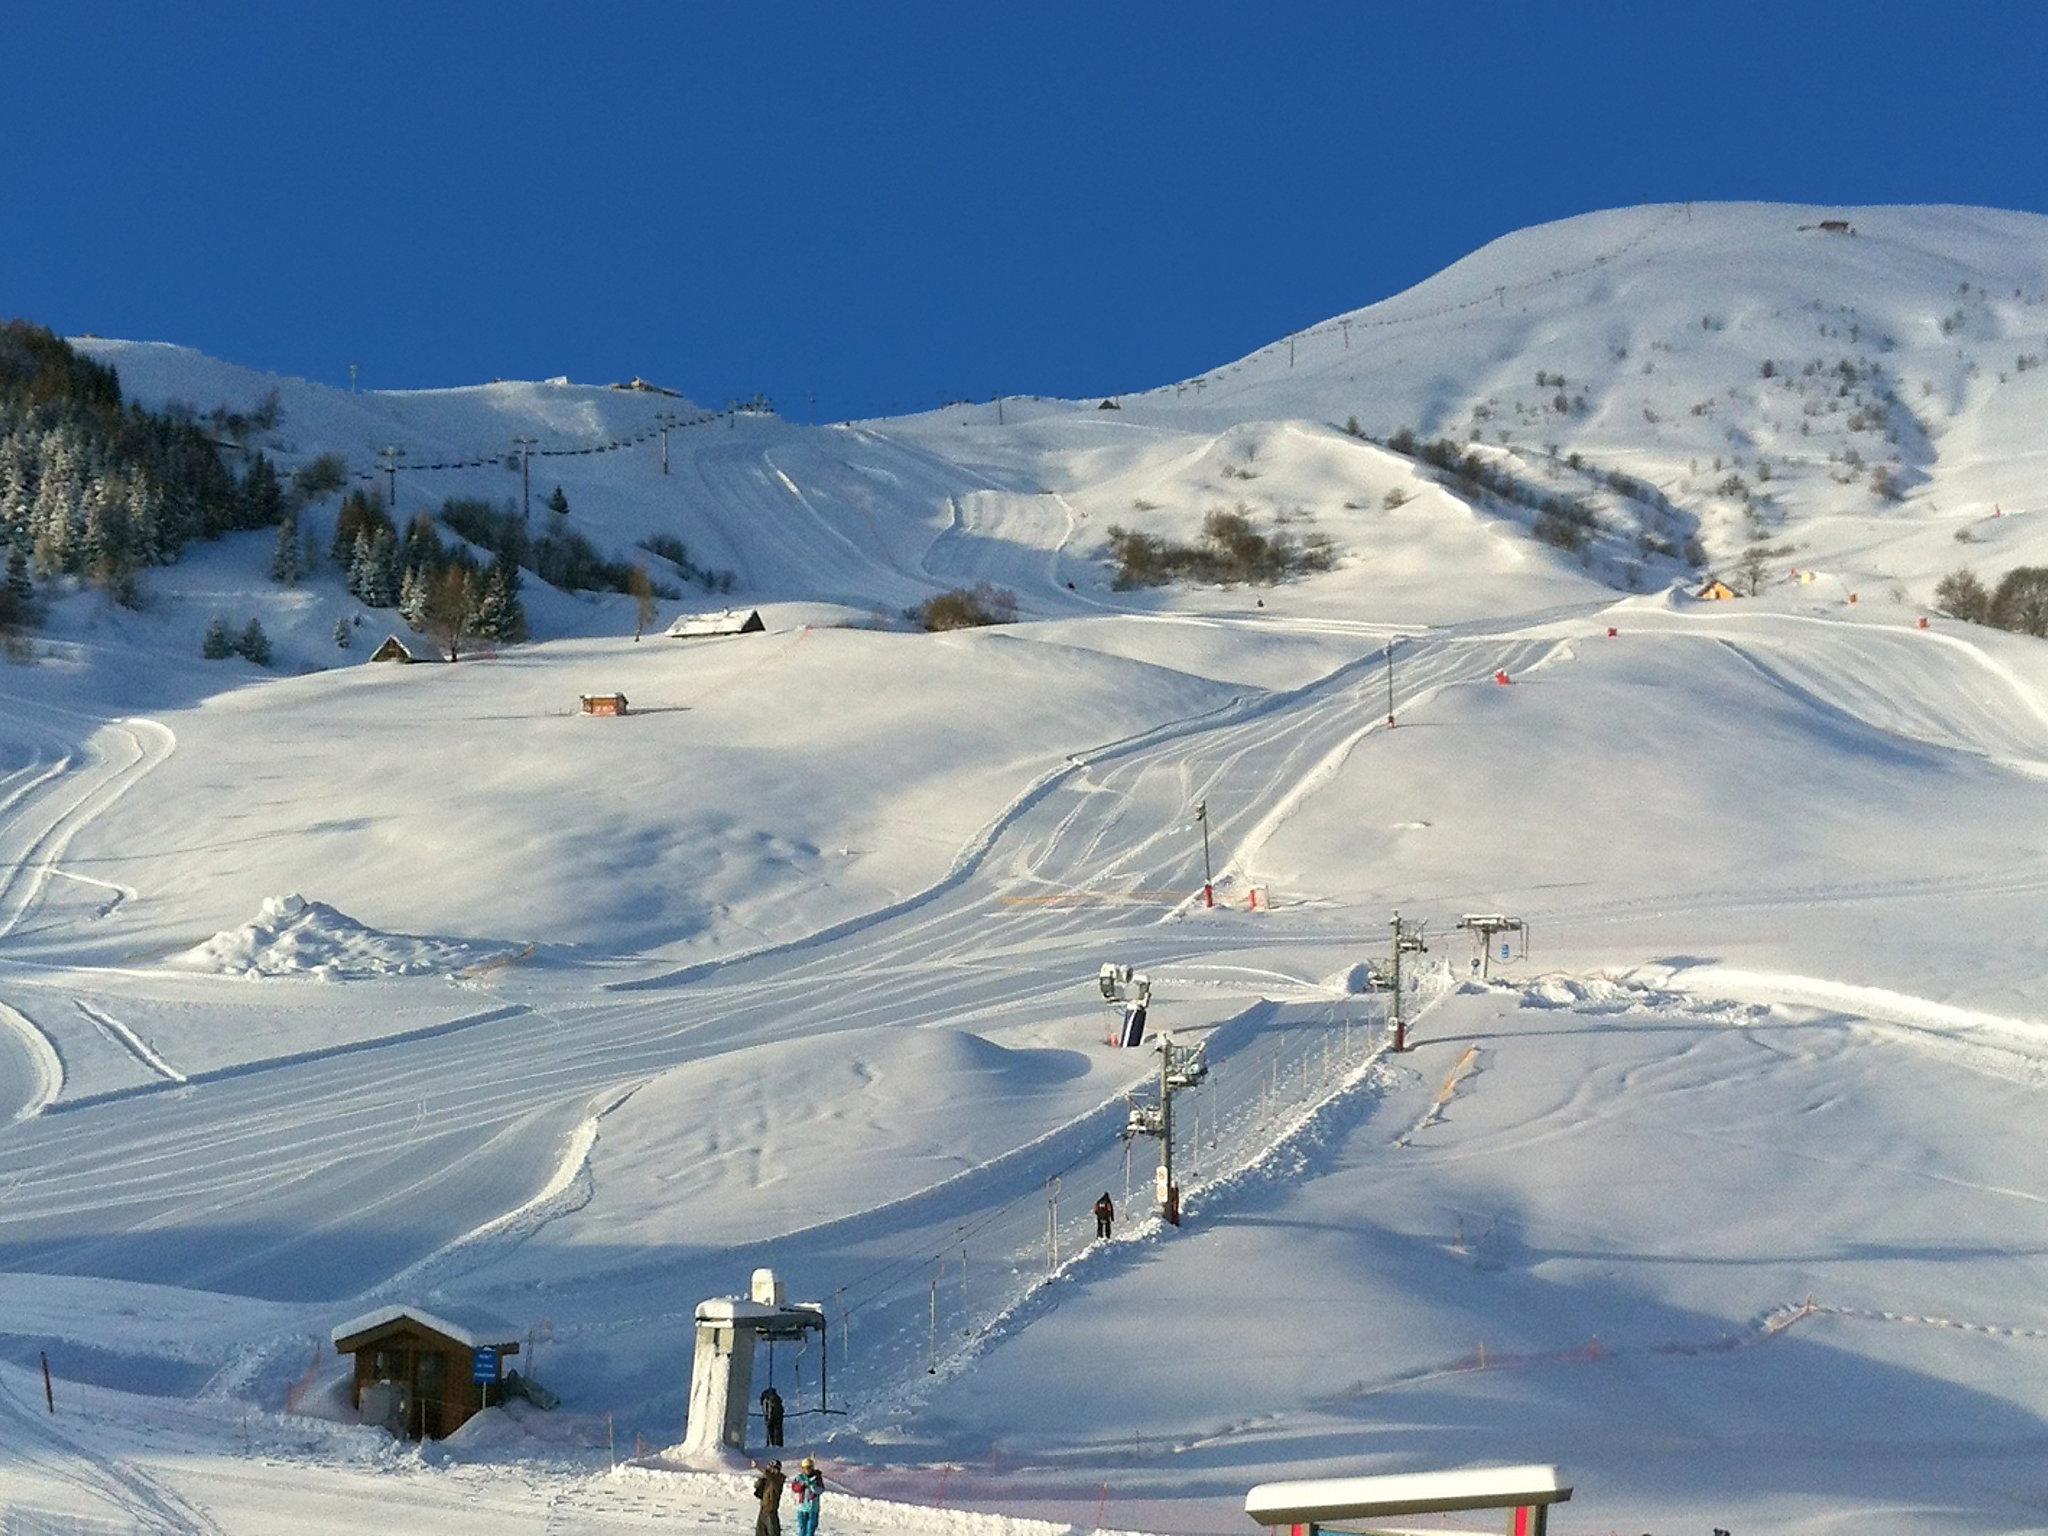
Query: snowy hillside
[(331, 985)]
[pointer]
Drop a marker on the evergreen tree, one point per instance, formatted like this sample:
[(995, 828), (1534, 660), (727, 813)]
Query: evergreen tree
[(217, 646), (284, 561), (558, 503), (17, 576), (500, 615), (344, 637), (422, 545), (254, 644), (412, 598), (373, 575), (358, 562), (262, 494), (361, 512), (384, 573)]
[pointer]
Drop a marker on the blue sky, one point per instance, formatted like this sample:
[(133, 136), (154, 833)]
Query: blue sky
[(862, 208)]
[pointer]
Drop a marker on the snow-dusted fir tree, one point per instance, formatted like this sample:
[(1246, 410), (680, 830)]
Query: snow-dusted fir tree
[(17, 575), (344, 637), (253, 643), (558, 503), (412, 598), (284, 560), (217, 646), (500, 615), (145, 521), (373, 575), (262, 494)]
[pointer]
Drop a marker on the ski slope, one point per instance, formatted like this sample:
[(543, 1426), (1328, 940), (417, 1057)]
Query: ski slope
[(1722, 1198)]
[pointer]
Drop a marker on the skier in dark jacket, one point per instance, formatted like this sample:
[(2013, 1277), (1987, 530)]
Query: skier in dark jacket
[(768, 1489), (1105, 1215), (771, 1414)]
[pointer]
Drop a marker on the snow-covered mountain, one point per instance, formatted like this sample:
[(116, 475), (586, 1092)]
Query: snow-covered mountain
[(1717, 1189)]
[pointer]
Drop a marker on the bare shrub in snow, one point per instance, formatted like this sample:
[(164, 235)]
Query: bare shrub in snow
[(966, 608)]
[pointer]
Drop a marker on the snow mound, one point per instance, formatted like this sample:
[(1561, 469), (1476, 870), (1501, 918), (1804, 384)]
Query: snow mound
[(292, 936), (1615, 995)]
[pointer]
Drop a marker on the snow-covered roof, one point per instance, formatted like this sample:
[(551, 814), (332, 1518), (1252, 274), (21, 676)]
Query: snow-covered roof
[(726, 621), (738, 1309), (1334, 1500), (471, 1326)]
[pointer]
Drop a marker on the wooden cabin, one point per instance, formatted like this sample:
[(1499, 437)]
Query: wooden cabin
[(726, 621), (393, 649), (1715, 591), (1837, 226), (604, 703), (415, 1369)]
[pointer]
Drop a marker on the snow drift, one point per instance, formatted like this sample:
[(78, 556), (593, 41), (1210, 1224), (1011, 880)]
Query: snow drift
[(292, 936)]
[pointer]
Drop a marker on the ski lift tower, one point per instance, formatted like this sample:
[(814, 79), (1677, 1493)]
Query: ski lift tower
[(722, 1374), (1408, 940), (1180, 1068), (1484, 928)]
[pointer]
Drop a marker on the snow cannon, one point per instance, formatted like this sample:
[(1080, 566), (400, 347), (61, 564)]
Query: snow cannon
[(1502, 679)]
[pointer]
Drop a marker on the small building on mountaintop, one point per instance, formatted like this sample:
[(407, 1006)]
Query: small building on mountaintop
[(1837, 226), (416, 1370), (1109, 405), (393, 649), (604, 704), (726, 621), (1715, 591)]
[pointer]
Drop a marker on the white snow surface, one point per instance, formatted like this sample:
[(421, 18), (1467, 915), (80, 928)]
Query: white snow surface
[(1724, 1198), (292, 936)]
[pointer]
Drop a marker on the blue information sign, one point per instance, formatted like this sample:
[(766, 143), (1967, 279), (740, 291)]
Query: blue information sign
[(485, 1367)]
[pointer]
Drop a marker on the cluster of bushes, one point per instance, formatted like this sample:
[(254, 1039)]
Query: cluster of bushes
[(97, 489), (677, 554), (2019, 602), (251, 643), (559, 555), (1563, 521), (1231, 550), (965, 608)]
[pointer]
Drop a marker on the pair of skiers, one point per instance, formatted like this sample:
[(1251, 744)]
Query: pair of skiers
[(809, 1487)]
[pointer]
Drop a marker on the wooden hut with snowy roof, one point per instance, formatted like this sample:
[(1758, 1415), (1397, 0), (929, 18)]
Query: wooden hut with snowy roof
[(1715, 591), (726, 621), (393, 649), (417, 1369)]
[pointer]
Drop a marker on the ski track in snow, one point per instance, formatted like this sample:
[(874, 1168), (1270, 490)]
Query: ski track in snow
[(42, 1066), (129, 1041), (28, 873)]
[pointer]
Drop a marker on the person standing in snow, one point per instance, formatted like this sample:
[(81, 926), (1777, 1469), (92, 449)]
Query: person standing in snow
[(771, 1414), (809, 1488), (1105, 1215), (768, 1489)]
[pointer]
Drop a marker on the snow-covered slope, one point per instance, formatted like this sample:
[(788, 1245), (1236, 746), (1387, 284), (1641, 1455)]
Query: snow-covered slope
[(1722, 1198)]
